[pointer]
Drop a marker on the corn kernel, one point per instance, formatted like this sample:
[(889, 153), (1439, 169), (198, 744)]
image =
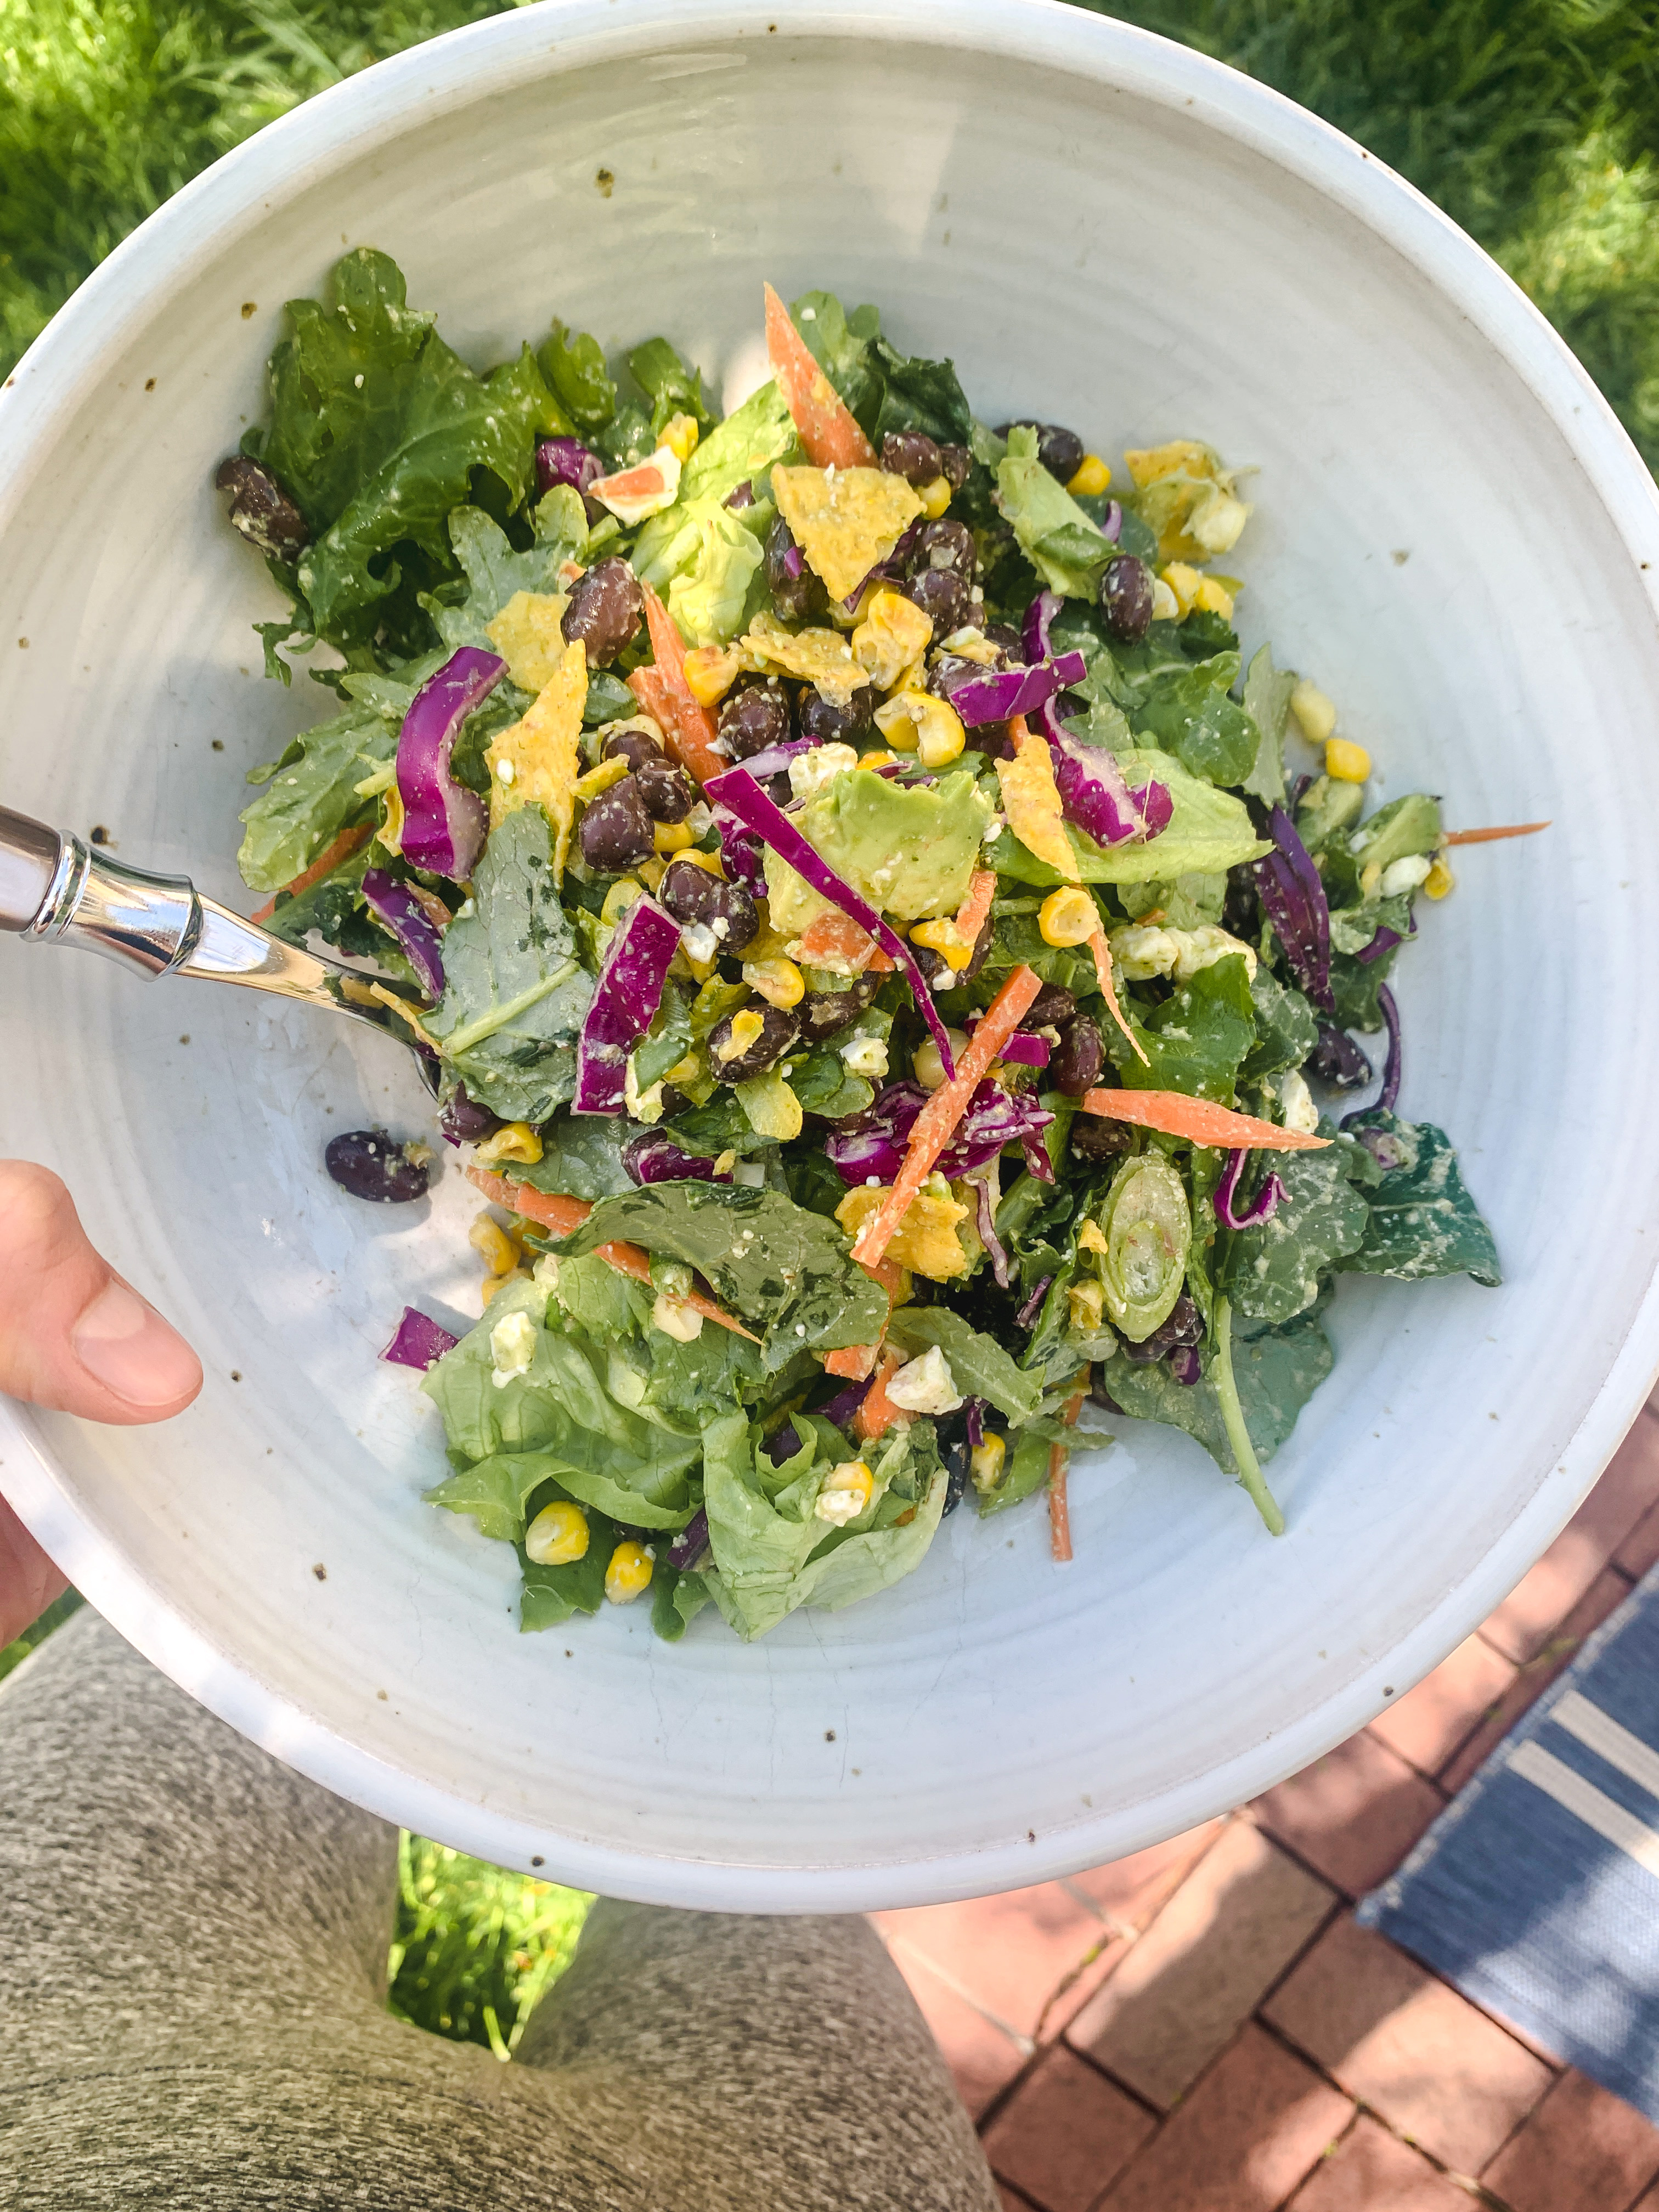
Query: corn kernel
[(985, 1464), (629, 1572), (1165, 605), (942, 937), (879, 758), (846, 1490), (941, 737), (935, 497), (1314, 711), (391, 831), (558, 1534), (710, 671), (679, 435), (1067, 916), (515, 1141), (1184, 582), (617, 900), (1091, 477), (671, 837), (600, 778), (928, 1067), (494, 1283), (1345, 762), (1085, 1303), (746, 1027), (897, 722), (1439, 879), (1213, 597), (711, 861), (651, 872), (780, 982), (1371, 879), (493, 1245)]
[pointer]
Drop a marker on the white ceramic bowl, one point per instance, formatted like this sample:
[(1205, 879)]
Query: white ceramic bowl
[(1453, 535)]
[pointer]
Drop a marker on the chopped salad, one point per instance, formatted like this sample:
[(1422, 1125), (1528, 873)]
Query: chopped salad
[(888, 964)]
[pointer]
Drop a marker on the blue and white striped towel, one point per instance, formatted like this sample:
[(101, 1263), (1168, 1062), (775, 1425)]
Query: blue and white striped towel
[(1537, 1891)]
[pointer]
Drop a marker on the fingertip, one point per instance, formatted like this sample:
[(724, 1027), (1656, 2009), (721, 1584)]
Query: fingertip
[(127, 1348)]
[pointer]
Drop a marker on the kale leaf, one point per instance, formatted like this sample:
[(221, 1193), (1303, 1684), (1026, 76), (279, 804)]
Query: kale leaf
[(1277, 1371), (1272, 1273), (1191, 715), (312, 796), (1196, 1041), (1422, 1221)]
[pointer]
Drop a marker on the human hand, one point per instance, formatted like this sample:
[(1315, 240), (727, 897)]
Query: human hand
[(76, 1338)]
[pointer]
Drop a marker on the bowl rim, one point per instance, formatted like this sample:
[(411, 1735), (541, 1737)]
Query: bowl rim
[(290, 156)]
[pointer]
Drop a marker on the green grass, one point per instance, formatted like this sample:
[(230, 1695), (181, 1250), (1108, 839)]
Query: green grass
[(1533, 123)]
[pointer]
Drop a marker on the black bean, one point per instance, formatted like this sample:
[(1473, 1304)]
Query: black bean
[(692, 895), (261, 509), (957, 1454), (913, 455), (616, 831), (674, 1101), (637, 747), (1337, 1060), (822, 1012), (1096, 1140), (955, 462), (1185, 1325), (754, 714), (796, 592), (1052, 1008), (463, 1122), (1059, 450), (370, 1164), (605, 610), (1126, 598), (851, 724), (944, 597), (668, 792), (940, 974), (944, 544), (1077, 1067), (779, 1027), (1006, 640)]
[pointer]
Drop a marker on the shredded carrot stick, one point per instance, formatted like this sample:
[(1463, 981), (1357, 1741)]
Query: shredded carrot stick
[(828, 430), (1102, 953), (325, 864), (877, 1412), (561, 1215), (970, 914), (1060, 1461), (1491, 836), (691, 730), (836, 939), (852, 1363), (1199, 1120), (937, 1119)]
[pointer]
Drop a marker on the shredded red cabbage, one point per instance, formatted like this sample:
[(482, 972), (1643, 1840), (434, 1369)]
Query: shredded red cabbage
[(975, 1408), (985, 1220), (1262, 1207), (566, 461), (740, 850), (793, 563), (845, 1403), (420, 1341), (1026, 1317), (691, 1543), (1383, 1101), (1034, 630), (1024, 1050), (417, 937), (873, 1143), (995, 695), (1293, 898), (1036, 1157), (444, 823), (1384, 941), (737, 790), (1112, 526), (773, 760), (626, 997), (653, 1158), (1094, 795)]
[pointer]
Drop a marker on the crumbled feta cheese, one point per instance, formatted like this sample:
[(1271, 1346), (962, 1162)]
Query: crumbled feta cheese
[(511, 1348), (810, 772), (1402, 876), (702, 942), (866, 1056), (675, 1318), (926, 1385), (1297, 1103)]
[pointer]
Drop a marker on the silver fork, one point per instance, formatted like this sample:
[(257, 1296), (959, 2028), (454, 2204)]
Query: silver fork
[(56, 890)]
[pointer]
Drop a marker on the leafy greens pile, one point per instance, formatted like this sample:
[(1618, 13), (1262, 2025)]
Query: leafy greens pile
[(701, 914)]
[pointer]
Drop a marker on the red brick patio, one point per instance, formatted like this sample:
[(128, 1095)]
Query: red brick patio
[(1204, 2029)]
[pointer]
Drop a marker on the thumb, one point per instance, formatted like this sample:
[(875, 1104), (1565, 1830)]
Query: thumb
[(73, 1335)]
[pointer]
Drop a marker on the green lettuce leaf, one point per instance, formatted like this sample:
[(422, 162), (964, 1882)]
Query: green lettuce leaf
[(495, 569), (1267, 702), (1277, 1371), (981, 1366), (784, 1271), (1067, 550), (581, 1158), (1422, 1220), (1195, 1041), (514, 995), (671, 385), (843, 347), (550, 1596), (572, 363), (312, 796), (377, 429), (1210, 831)]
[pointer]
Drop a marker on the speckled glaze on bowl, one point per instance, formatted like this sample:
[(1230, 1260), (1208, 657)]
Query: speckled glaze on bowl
[(1453, 535)]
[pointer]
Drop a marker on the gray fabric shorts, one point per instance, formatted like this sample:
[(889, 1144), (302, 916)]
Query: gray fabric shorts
[(193, 1968)]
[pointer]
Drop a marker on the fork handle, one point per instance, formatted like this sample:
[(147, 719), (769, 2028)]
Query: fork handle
[(65, 893), (29, 853)]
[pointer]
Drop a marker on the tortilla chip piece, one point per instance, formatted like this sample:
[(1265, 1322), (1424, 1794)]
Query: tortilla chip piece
[(820, 657), (542, 752), (894, 634), (1180, 457), (527, 635), (1031, 802), (844, 520)]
